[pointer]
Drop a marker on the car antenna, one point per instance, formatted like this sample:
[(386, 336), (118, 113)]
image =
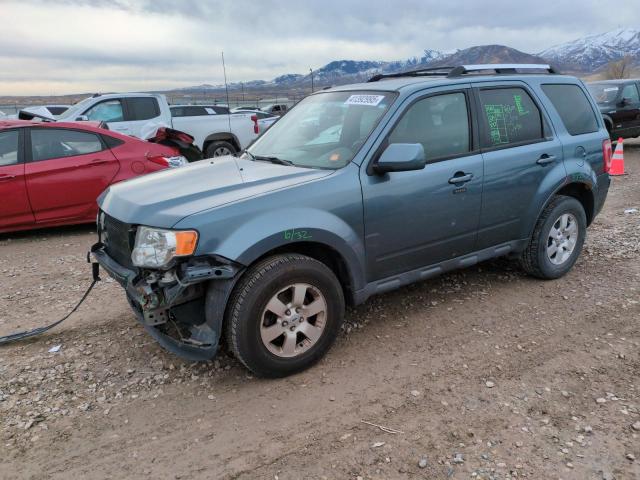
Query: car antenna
[(226, 87)]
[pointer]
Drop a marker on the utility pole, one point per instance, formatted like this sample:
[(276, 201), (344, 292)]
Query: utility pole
[(311, 71)]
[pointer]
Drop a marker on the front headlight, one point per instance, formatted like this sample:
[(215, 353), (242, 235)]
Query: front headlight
[(156, 247)]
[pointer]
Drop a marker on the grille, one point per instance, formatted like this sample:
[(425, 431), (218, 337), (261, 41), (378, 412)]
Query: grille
[(118, 238)]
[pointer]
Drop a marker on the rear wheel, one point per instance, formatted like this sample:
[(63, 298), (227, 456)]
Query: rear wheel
[(284, 315), (557, 239), (219, 149)]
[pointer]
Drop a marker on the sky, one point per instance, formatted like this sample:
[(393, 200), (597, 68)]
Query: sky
[(54, 47)]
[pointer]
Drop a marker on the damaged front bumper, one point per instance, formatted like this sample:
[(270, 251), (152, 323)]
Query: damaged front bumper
[(182, 307)]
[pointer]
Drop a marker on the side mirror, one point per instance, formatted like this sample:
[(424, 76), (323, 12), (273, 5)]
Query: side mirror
[(401, 157), (82, 118)]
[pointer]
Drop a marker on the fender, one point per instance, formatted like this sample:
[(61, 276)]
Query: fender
[(578, 178), (221, 136), (289, 226)]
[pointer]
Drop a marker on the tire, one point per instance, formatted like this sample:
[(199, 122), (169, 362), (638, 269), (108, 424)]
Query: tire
[(271, 286), (219, 148), (539, 258)]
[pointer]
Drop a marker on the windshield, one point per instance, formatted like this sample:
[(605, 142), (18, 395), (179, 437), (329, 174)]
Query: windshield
[(325, 130), (603, 92)]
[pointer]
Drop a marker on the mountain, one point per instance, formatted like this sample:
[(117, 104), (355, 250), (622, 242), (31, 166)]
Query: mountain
[(486, 54), (593, 52), (584, 55)]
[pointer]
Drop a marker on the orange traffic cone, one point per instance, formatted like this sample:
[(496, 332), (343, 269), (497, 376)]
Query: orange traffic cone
[(617, 161)]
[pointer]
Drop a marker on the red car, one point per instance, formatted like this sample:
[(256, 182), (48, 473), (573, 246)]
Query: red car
[(52, 173)]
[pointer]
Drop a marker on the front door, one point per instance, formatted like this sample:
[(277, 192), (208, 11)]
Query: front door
[(67, 171), (419, 218), (15, 210), (519, 151), (628, 111)]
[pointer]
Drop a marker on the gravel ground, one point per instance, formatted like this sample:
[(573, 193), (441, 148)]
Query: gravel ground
[(482, 373)]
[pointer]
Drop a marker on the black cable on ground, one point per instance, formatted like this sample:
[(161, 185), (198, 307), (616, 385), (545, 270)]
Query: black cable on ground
[(14, 337)]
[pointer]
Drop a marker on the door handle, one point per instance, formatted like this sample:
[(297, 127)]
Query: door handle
[(6, 178), (460, 177), (546, 159), (98, 161)]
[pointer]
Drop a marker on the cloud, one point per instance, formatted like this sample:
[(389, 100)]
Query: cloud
[(103, 45)]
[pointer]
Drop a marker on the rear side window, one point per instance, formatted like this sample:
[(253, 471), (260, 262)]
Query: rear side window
[(574, 108), (48, 143), (440, 123), (8, 148), (143, 108), (509, 117)]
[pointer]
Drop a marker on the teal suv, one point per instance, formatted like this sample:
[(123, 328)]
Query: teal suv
[(358, 190)]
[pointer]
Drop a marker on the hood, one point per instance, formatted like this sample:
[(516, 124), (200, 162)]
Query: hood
[(163, 198)]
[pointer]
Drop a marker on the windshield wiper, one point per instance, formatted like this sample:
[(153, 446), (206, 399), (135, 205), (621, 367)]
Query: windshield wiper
[(253, 157), (279, 161)]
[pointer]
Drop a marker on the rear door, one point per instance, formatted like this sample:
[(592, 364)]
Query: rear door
[(15, 210), (520, 151), (66, 171), (139, 111)]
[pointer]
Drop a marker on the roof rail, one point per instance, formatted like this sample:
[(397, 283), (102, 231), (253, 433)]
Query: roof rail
[(451, 72), (501, 68), (432, 71)]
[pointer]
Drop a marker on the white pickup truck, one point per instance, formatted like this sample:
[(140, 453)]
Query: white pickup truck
[(129, 113)]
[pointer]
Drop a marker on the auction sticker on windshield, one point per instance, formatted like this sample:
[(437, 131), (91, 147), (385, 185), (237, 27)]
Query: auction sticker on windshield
[(370, 100)]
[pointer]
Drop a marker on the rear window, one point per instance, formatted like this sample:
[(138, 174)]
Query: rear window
[(510, 117), (574, 108), (143, 108)]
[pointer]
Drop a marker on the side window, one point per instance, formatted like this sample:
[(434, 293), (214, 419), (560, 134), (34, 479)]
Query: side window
[(574, 108), (107, 111), (143, 108), (631, 92), (509, 117), (221, 110), (9, 147), (440, 123), (47, 143)]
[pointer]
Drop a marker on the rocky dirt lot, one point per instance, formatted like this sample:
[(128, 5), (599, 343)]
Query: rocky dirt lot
[(483, 373)]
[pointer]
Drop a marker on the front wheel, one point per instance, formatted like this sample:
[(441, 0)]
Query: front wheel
[(557, 239), (284, 315)]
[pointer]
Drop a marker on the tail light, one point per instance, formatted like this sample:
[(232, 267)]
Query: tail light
[(169, 162), (607, 154), (256, 127)]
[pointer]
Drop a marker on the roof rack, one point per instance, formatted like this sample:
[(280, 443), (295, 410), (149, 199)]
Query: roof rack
[(452, 72), (433, 71), (501, 68)]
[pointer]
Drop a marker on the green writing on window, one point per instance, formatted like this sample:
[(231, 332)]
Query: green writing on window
[(518, 101), (503, 122)]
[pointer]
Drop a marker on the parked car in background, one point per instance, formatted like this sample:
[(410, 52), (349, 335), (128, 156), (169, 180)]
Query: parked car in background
[(198, 110), (131, 113), (52, 173), (619, 104), (276, 108), (52, 111), (358, 190), (265, 120)]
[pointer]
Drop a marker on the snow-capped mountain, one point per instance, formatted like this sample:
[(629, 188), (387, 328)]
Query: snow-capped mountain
[(592, 52)]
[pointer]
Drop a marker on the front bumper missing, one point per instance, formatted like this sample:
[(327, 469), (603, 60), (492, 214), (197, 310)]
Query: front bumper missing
[(193, 335)]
